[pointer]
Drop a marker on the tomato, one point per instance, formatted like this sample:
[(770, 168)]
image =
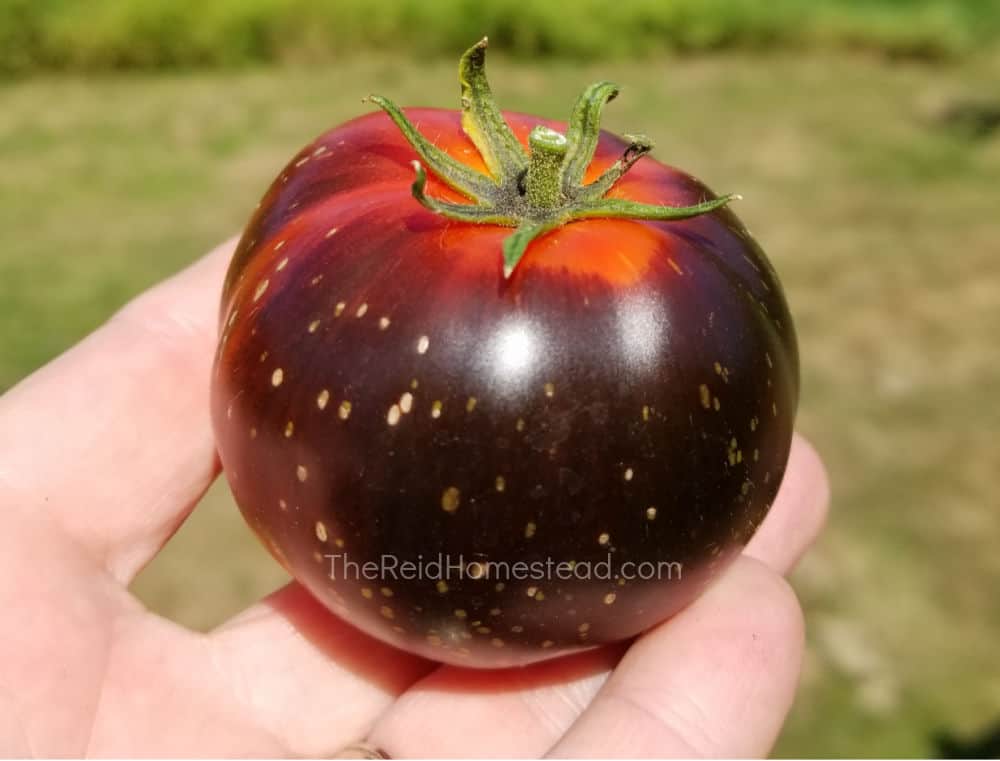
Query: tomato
[(581, 422)]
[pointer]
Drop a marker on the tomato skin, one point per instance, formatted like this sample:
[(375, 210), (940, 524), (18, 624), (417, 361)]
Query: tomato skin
[(628, 394)]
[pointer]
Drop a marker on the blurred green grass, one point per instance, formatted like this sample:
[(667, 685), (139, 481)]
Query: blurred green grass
[(880, 218), (124, 34)]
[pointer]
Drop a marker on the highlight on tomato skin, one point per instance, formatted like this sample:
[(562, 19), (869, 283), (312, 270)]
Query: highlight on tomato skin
[(386, 387)]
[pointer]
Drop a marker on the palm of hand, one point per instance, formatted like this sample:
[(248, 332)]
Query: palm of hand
[(102, 455)]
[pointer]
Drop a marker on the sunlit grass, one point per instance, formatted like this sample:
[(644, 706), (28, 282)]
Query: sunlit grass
[(182, 34)]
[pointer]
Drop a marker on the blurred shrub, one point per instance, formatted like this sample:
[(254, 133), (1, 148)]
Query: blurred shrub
[(126, 34)]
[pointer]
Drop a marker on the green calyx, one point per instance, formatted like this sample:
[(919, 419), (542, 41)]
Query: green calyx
[(536, 190)]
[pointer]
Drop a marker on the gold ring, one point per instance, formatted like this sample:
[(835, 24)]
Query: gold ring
[(360, 750)]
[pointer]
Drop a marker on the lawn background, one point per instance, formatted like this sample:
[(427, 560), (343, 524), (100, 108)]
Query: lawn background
[(133, 137)]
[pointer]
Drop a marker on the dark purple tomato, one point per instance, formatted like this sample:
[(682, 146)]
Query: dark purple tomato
[(547, 394)]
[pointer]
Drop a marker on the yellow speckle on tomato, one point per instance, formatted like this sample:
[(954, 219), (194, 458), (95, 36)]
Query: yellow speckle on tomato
[(450, 499)]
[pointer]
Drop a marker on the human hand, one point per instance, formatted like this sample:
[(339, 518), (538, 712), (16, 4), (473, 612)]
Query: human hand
[(104, 452)]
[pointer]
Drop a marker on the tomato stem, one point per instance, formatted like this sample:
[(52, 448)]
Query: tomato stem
[(480, 214), (538, 190), (482, 120), (638, 146), (457, 175), (585, 130), (543, 186)]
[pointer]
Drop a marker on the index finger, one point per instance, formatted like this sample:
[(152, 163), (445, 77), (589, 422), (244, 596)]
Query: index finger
[(717, 680)]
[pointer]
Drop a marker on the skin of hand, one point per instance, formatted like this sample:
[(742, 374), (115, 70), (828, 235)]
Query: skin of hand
[(103, 454)]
